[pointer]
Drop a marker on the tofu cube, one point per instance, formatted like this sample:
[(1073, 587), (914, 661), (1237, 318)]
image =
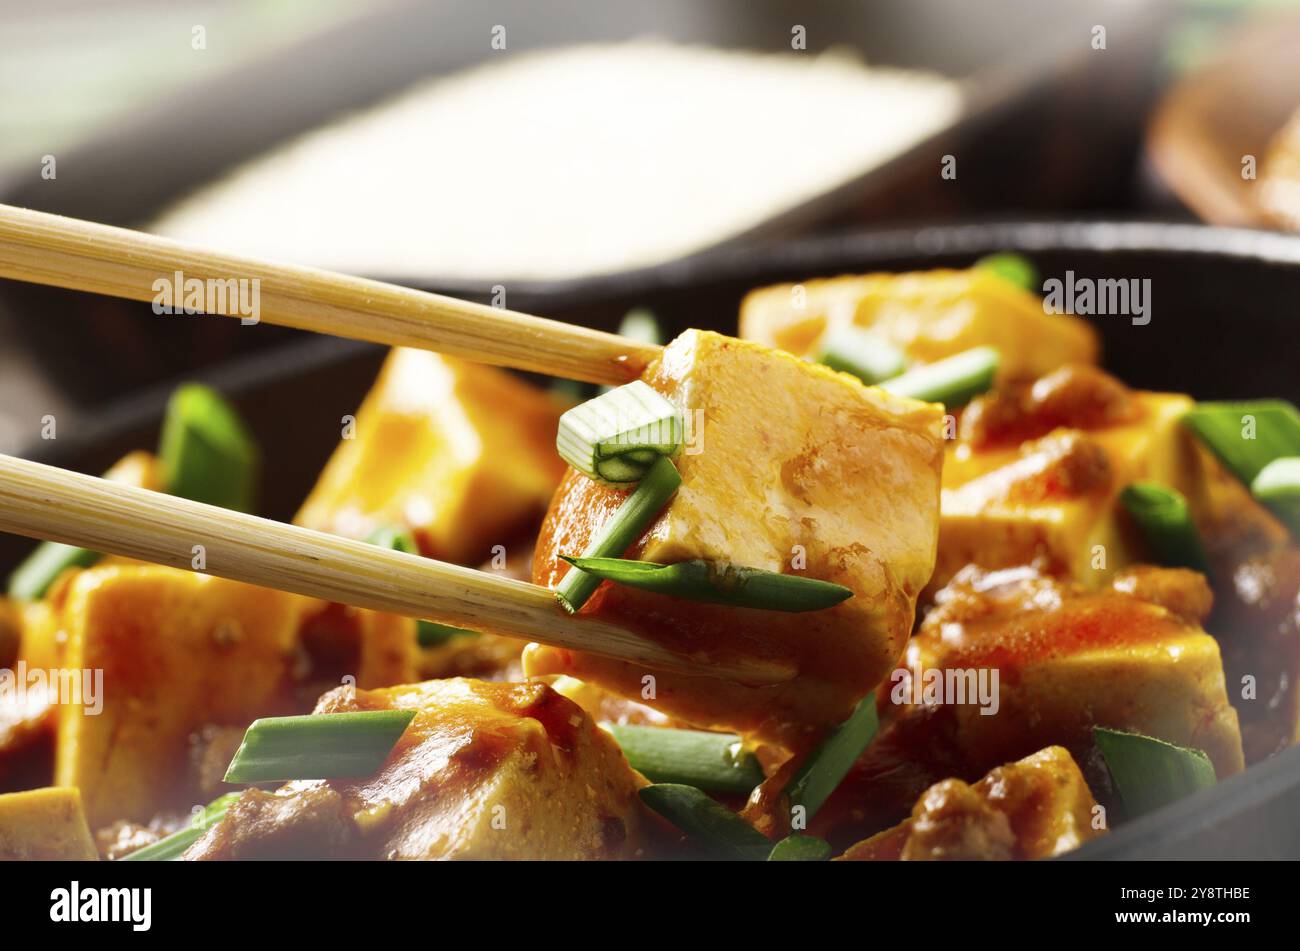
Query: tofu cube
[(1055, 499), (483, 771), (1035, 808), (462, 455), (928, 315), (178, 651), (44, 825), (1066, 660), (790, 467)]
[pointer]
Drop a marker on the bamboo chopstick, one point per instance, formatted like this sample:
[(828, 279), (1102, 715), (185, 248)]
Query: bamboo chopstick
[(46, 502), (81, 255)]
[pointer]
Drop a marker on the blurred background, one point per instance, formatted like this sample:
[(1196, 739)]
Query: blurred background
[(472, 144)]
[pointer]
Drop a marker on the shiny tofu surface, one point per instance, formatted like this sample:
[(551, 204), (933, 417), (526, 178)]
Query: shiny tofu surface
[(1034, 808), (793, 468), (928, 315), (462, 455), (1036, 474), (45, 824), (1066, 660), (484, 771), (178, 652)]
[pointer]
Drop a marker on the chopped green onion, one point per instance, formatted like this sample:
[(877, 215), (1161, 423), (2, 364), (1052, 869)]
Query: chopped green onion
[(1015, 268), (716, 762), (1162, 516), (866, 355), (427, 633), (206, 452), (952, 381), (640, 324), (394, 538), (1151, 773), (622, 528), (1247, 436), (826, 768), (171, 848), (1278, 487), (322, 746), (735, 585), (616, 437), (432, 634), (800, 848), (719, 830), (31, 579)]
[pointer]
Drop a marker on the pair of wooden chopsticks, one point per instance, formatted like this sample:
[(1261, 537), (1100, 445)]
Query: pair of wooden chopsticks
[(49, 503)]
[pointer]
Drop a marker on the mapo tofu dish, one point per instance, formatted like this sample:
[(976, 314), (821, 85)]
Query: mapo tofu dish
[(998, 603)]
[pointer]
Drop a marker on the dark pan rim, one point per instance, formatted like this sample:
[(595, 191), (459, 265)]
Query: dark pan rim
[(925, 239)]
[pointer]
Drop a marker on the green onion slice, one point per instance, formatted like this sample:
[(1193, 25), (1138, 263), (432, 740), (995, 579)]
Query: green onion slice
[(1247, 436), (616, 437), (800, 848), (394, 538), (322, 746), (171, 848), (953, 381), (432, 634), (427, 633), (715, 762), (206, 452), (1162, 515), (866, 355), (624, 527), (1151, 773), (640, 324), (822, 771), (707, 823), (31, 579), (1015, 268), (1278, 487), (735, 585)]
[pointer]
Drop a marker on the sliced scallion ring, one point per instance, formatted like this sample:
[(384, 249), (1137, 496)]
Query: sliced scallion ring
[(707, 823), (1013, 267), (953, 381), (639, 509), (172, 847), (1150, 773), (617, 436), (868, 356), (32, 579), (800, 848), (206, 451), (319, 746), (737, 585), (640, 324), (1247, 436), (715, 762), (1163, 517), (1278, 487), (827, 765)]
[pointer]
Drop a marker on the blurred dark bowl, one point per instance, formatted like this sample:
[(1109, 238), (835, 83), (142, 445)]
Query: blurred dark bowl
[(1053, 126), (1221, 327)]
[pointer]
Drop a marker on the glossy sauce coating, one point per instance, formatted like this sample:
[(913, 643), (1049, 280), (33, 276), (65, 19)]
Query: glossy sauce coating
[(798, 469)]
